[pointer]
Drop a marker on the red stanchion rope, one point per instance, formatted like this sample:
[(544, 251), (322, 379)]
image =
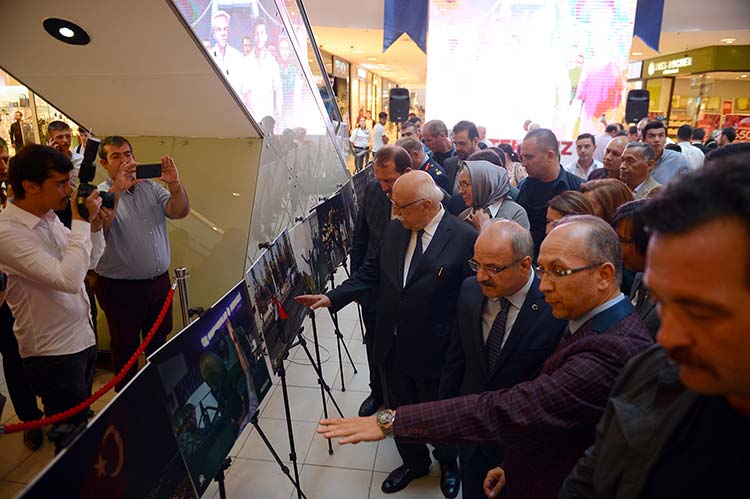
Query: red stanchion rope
[(56, 418)]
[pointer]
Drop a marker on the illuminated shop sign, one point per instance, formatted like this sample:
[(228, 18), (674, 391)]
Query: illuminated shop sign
[(669, 67)]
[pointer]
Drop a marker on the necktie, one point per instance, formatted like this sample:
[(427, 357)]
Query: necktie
[(416, 257), (497, 333), (640, 295)]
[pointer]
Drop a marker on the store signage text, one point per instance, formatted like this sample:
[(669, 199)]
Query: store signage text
[(669, 67)]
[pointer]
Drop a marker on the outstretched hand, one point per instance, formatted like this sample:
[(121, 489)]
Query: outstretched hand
[(353, 430), (494, 482), (313, 301)]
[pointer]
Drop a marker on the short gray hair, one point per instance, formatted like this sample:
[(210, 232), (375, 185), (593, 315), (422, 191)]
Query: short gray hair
[(429, 190), (410, 144), (646, 150), (435, 128), (220, 13), (520, 239), (602, 245)]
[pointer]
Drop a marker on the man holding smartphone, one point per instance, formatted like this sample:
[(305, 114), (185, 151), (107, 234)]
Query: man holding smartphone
[(133, 274)]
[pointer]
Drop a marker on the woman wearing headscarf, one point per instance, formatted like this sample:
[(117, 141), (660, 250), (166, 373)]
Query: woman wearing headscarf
[(485, 189)]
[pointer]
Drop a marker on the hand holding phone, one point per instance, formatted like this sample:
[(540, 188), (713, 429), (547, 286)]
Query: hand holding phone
[(149, 170)]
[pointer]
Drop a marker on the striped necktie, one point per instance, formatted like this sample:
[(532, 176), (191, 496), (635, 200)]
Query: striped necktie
[(497, 334)]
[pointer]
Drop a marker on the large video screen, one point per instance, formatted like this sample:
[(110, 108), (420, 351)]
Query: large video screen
[(213, 375), (561, 64), (127, 451)]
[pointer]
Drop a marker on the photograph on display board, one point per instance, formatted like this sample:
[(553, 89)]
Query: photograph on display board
[(307, 253), (273, 281), (350, 208), (127, 451), (213, 376), (333, 233), (359, 182)]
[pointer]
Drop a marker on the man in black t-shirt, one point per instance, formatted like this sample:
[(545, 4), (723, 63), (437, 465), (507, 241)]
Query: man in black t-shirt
[(540, 155)]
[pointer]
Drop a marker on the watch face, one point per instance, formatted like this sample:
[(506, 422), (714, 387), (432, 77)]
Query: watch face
[(384, 417)]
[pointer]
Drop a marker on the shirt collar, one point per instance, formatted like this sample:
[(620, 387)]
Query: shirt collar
[(638, 187), (432, 226), (27, 218), (495, 207), (424, 161), (575, 324)]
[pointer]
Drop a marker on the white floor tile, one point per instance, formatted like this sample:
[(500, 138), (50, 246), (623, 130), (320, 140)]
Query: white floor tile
[(387, 458), (252, 479), (276, 432), (304, 403), (321, 482), (427, 487), (359, 382)]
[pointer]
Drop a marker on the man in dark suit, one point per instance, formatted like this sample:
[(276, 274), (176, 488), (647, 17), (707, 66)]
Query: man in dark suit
[(16, 131), (505, 333), (547, 423), (466, 143), (418, 272), (390, 163)]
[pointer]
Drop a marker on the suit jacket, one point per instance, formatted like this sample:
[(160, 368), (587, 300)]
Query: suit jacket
[(423, 312), (533, 338), (16, 135), (645, 305), (653, 422), (451, 169), (438, 174), (643, 191), (547, 423)]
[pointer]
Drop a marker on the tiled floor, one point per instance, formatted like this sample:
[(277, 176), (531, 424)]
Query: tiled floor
[(352, 472)]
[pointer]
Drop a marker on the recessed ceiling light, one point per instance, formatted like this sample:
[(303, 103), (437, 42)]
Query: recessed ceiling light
[(359, 51), (66, 31), (743, 76), (636, 53), (728, 40), (372, 58)]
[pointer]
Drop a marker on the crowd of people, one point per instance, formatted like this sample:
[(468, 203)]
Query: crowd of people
[(58, 251), (512, 305)]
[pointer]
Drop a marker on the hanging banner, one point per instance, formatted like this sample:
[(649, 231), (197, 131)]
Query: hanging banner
[(405, 16)]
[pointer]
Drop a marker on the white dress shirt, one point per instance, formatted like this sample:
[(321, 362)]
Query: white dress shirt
[(46, 264), (694, 155), (378, 131), (577, 169), (429, 232), (492, 308)]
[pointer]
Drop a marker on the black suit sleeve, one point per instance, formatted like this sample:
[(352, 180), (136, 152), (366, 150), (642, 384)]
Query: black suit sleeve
[(364, 279), (361, 237), (452, 374)]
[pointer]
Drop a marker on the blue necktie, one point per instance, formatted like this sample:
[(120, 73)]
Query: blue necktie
[(416, 257), (497, 333)]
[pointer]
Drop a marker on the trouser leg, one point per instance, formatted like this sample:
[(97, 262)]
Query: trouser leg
[(21, 394)]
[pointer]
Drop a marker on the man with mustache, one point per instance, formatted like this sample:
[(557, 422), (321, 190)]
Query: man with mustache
[(677, 421), (612, 160), (547, 423), (505, 333)]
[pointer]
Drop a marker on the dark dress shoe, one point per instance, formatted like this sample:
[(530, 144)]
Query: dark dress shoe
[(369, 406), (450, 480), (400, 478), (33, 439)]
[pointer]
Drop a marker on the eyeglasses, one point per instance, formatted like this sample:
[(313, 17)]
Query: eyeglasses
[(558, 273), (407, 204), (464, 185), (475, 266)]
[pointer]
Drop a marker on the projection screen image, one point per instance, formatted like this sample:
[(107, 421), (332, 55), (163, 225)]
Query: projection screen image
[(558, 63)]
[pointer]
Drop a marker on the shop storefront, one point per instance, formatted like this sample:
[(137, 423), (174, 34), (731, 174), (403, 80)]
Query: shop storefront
[(707, 88), (36, 113)]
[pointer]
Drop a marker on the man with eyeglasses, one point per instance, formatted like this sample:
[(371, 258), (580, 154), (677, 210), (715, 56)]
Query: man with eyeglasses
[(505, 333), (418, 271), (545, 424)]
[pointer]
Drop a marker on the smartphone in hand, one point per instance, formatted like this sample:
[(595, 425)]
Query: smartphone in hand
[(149, 170)]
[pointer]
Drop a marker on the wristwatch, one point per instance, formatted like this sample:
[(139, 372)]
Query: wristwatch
[(385, 419)]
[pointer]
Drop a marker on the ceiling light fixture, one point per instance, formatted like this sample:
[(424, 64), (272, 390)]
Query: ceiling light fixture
[(743, 76), (636, 53), (728, 40), (66, 31)]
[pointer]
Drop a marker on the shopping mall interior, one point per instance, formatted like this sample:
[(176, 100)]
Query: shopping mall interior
[(262, 144)]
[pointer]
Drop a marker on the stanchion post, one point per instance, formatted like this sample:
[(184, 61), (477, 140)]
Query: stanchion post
[(181, 275)]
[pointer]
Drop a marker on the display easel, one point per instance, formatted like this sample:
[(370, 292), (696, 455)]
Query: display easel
[(359, 307), (339, 338)]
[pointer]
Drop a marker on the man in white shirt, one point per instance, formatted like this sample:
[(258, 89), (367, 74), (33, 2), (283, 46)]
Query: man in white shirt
[(262, 89), (231, 62), (379, 138), (694, 155), (46, 264), (603, 140), (585, 144)]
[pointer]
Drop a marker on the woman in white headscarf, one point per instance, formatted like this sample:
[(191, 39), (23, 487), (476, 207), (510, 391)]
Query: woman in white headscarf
[(485, 189)]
